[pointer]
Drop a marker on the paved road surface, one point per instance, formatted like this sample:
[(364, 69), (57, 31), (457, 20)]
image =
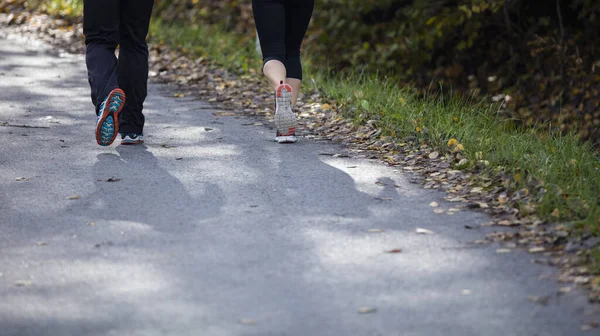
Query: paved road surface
[(230, 227)]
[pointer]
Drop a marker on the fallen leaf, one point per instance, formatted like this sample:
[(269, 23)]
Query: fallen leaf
[(434, 204), (179, 159), (394, 251), (367, 310), (476, 190), (22, 179), (224, 114), (247, 321), (179, 95), (73, 197), (23, 283), (439, 211), (167, 146), (463, 162), (469, 227), (536, 249), (543, 300), (113, 179), (41, 243), (434, 155), (503, 250), (458, 148), (375, 230), (508, 223), (383, 198), (565, 290), (423, 231), (91, 223), (589, 326), (483, 205), (586, 327), (556, 213)]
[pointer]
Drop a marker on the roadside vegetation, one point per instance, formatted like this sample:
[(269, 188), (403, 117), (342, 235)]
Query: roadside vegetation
[(554, 173)]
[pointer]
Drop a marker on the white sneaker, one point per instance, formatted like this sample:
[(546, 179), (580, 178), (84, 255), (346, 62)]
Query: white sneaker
[(285, 118)]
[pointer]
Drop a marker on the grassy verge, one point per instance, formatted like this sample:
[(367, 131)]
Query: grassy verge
[(562, 173)]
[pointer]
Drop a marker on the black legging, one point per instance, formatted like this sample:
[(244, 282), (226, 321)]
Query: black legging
[(281, 26)]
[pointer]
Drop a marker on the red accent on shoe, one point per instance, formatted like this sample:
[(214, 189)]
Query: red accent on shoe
[(115, 115), (282, 86)]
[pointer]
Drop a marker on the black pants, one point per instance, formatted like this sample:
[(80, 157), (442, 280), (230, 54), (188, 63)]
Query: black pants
[(281, 26), (106, 25)]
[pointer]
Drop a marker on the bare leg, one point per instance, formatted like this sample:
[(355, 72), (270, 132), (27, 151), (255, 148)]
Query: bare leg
[(275, 72), (295, 84)]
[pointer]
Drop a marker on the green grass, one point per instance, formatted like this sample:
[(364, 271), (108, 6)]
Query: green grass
[(233, 52), (570, 170)]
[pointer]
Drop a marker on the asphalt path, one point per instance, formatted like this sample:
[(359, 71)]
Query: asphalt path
[(211, 228)]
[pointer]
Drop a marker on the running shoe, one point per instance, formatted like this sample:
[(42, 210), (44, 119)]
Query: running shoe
[(132, 138), (107, 124), (285, 118)]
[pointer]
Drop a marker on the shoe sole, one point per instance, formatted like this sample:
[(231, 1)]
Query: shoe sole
[(133, 142), (285, 119), (107, 126)]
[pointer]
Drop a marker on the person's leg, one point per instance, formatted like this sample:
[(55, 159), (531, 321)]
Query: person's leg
[(269, 18), (101, 30), (298, 14), (133, 62)]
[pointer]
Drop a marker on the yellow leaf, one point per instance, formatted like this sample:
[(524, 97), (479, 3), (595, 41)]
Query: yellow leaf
[(452, 142), (458, 148), (556, 213), (518, 177), (179, 95), (326, 107)]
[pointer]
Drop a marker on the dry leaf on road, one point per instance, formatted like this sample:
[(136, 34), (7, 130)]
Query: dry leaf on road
[(423, 231), (543, 300), (23, 283), (367, 310), (247, 321)]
